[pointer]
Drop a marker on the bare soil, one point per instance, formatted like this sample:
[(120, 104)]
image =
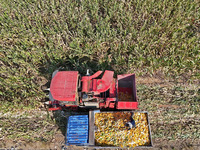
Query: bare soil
[(40, 129), (58, 143)]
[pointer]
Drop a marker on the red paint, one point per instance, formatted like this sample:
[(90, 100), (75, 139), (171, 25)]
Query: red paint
[(64, 88), (105, 82), (89, 84), (64, 85), (126, 84), (127, 105), (87, 80), (55, 108)]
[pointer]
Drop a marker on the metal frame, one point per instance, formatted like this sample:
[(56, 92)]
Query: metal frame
[(92, 129)]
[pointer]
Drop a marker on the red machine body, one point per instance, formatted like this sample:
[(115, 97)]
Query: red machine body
[(67, 89), (64, 86)]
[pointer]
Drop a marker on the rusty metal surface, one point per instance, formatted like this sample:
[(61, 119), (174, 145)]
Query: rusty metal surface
[(91, 128)]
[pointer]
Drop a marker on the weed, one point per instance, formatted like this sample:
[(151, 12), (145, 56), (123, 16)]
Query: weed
[(143, 37)]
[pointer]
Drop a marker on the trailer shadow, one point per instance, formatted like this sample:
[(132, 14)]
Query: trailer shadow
[(46, 70), (61, 118)]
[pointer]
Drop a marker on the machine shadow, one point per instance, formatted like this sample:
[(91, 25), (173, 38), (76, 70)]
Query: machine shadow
[(80, 65), (61, 118), (46, 70)]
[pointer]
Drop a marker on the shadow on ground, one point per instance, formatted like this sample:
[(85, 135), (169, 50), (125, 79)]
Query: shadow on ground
[(61, 118), (80, 65)]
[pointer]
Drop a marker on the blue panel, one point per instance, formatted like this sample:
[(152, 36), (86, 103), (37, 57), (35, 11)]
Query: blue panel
[(77, 130)]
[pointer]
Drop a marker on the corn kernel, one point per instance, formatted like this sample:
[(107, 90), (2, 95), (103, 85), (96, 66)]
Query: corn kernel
[(111, 129)]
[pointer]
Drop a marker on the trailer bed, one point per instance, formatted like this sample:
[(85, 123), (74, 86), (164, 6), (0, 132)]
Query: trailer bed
[(88, 137)]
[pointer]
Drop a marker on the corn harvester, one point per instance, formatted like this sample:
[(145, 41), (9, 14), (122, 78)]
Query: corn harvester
[(97, 91), (111, 104)]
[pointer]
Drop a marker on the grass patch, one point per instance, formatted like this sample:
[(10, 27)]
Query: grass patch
[(27, 128), (174, 110), (170, 118), (143, 37)]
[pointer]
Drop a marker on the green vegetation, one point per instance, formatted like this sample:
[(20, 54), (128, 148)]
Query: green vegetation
[(173, 114), (173, 110), (28, 129), (150, 37), (126, 36)]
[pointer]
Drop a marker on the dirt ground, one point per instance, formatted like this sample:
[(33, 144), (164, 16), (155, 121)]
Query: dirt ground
[(174, 124), (58, 143)]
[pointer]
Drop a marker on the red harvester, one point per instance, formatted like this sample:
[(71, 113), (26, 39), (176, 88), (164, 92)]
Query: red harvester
[(69, 89)]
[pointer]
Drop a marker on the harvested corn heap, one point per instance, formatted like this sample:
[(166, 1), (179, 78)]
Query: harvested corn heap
[(124, 96), (111, 129)]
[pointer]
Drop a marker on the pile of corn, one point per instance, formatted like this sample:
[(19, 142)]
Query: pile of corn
[(124, 96), (111, 129)]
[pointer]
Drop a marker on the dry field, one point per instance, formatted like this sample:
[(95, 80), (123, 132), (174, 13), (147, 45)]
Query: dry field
[(159, 40)]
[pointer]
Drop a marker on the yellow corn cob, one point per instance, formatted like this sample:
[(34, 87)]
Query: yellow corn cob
[(111, 129)]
